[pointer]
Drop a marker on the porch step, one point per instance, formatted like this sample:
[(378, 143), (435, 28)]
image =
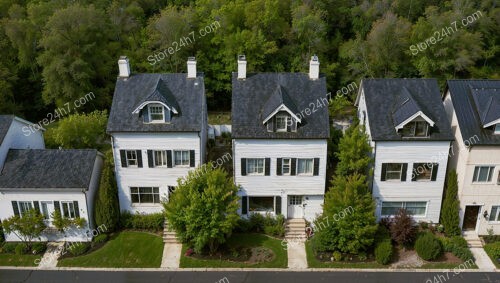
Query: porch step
[(295, 229), (169, 236), (473, 241)]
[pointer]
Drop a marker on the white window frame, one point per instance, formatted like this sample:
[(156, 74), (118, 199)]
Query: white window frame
[(414, 124), (305, 173), (22, 209), (161, 160), (283, 166), (139, 195), (182, 151), (156, 107), (489, 177), (387, 172), (496, 218), (403, 205), (132, 154), (273, 209), (285, 117), (70, 204), (295, 200), (256, 160)]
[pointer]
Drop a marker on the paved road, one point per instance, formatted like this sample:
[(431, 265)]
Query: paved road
[(37, 276)]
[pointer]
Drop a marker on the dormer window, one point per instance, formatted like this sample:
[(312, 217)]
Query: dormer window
[(497, 129), (416, 129), (282, 121), (156, 113)]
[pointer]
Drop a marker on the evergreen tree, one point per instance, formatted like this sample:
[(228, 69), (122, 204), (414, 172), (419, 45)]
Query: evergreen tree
[(107, 209), (451, 205), (353, 152)]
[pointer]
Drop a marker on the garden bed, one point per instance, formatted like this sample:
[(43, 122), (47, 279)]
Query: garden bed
[(322, 260), (241, 250)]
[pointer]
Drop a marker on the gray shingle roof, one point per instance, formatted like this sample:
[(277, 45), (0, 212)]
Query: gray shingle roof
[(176, 89), (5, 122), (48, 168), (383, 98), (476, 102), (255, 96), (406, 107)]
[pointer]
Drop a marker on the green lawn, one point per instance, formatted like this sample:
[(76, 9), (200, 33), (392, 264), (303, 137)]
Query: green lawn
[(18, 260), (313, 262), (128, 249), (489, 249), (246, 240)]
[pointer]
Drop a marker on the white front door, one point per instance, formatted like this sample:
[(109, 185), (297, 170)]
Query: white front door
[(47, 208), (295, 207)]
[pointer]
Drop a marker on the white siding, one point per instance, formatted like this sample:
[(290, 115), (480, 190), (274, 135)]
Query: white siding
[(363, 116), (411, 152), (274, 185), (151, 177), (20, 137), (93, 188)]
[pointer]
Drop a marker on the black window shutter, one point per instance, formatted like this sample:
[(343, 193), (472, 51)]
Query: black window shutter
[(191, 158), (293, 167), (56, 206), (169, 158), (123, 158), (139, 158), (36, 204), (77, 210), (384, 171), (268, 167), (244, 203), (316, 167), (150, 159), (403, 173), (243, 167), (278, 205), (15, 208), (434, 171), (279, 163), (414, 172)]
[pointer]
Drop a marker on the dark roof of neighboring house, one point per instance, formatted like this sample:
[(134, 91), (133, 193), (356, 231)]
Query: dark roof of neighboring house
[(384, 102), (5, 122), (48, 168), (255, 97), (185, 94), (476, 103)]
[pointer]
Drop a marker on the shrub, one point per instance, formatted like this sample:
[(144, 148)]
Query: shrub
[(257, 222), (428, 247), (463, 253), (337, 256), (149, 222), (403, 229), (39, 247), (22, 249), (382, 234), (78, 248), (493, 250), (383, 252), (242, 226), (491, 238), (2, 236), (9, 248), (451, 206), (101, 238), (457, 245), (107, 208)]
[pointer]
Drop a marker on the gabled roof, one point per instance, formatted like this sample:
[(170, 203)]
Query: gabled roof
[(48, 169), (277, 101), (185, 94), (257, 96), (160, 94), (5, 122), (476, 106), (390, 102)]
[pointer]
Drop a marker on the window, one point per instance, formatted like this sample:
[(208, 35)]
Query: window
[(394, 171), (413, 208), (45, 209), (281, 122), (25, 206), (497, 129), (285, 166), (68, 209), (495, 213), (416, 129), (261, 204), (305, 166), (483, 174), (145, 194), (295, 200), (498, 178), (181, 157), (422, 171), (255, 166), (156, 113), (160, 158), (131, 157)]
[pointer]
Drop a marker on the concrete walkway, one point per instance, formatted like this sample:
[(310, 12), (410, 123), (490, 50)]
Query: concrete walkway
[(297, 258), (49, 259), (171, 255), (483, 261)]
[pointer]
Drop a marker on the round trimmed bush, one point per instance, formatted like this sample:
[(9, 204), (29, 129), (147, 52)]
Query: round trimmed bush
[(9, 248), (39, 247), (383, 252), (22, 249), (428, 247)]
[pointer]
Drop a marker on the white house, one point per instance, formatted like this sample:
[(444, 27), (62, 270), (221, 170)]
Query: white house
[(280, 129), (46, 180), (410, 136), (158, 125), (473, 107)]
